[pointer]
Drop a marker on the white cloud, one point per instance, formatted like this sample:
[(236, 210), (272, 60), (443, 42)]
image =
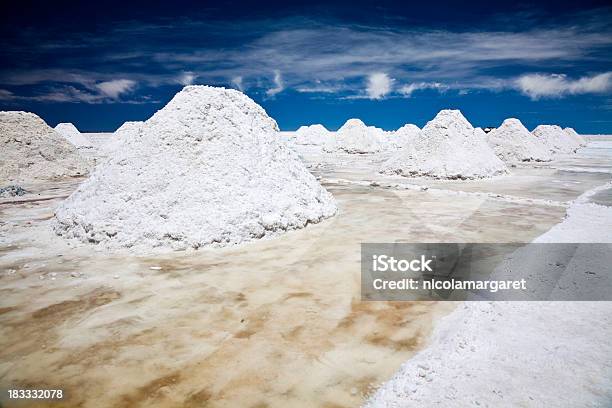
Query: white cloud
[(114, 88), (407, 90), (237, 82), (6, 95), (186, 78), (379, 85), (278, 82), (538, 86)]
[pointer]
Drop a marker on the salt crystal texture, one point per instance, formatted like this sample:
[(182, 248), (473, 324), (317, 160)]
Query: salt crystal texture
[(207, 169), (512, 143), (574, 135), (32, 151), (404, 136), (448, 147), (555, 139), (355, 137), (316, 135), (126, 131), (72, 134)]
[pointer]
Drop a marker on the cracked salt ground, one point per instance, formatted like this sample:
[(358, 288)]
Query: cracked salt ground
[(275, 322)]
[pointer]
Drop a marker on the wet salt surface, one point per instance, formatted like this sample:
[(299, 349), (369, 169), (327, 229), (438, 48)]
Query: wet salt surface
[(275, 322)]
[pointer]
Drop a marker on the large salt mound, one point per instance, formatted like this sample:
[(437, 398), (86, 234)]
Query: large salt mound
[(448, 147), (555, 139), (574, 135), (72, 134), (206, 169), (312, 135), (31, 150), (512, 142), (355, 137)]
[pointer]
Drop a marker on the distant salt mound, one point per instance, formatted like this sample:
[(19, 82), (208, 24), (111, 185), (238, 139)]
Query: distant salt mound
[(512, 143), (403, 136), (207, 169), (316, 135), (72, 134), (33, 151), (575, 136), (447, 148), (555, 139), (357, 138)]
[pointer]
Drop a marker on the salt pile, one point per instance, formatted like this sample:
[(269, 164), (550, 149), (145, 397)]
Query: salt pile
[(447, 148), (207, 169), (574, 135), (72, 134), (404, 136), (31, 150), (127, 130), (355, 137), (512, 142), (316, 135), (555, 139)]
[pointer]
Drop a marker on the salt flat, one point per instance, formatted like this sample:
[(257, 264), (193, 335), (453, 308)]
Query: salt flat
[(275, 322)]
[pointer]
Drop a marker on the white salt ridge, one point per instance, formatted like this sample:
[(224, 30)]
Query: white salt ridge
[(72, 134), (448, 147), (316, 135), (33, 151), (512, 143), (357, 138), (128, 130), (207, 169), (403, 136), (574, 135), (531, 354), (555, 139)]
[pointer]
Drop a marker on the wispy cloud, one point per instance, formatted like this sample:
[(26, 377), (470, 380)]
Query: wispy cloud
[(237, 82), (538, 86), (113, 89), (312, 57), (408, 89), (278, 84), (186, 78)]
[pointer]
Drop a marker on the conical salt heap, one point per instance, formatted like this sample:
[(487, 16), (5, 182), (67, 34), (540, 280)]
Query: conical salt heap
[(72, 134), (355, 137), (207, 169), (555, 139), (316, 135), (404, 136), (512, 143), (574, 135), (447, 148), (32, 151)]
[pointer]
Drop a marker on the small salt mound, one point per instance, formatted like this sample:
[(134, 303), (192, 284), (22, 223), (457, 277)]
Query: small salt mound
[(555, 139), (72, 134), (207, 169), (316, 135), (403, 136), (355, 137), (574, 135), (447, 148), (512, 143), (32, 151)]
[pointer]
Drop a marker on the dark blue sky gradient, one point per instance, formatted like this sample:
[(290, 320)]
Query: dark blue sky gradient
[(311, 62)]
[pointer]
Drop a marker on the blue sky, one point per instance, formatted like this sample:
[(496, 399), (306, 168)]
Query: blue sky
[(308, 62)]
